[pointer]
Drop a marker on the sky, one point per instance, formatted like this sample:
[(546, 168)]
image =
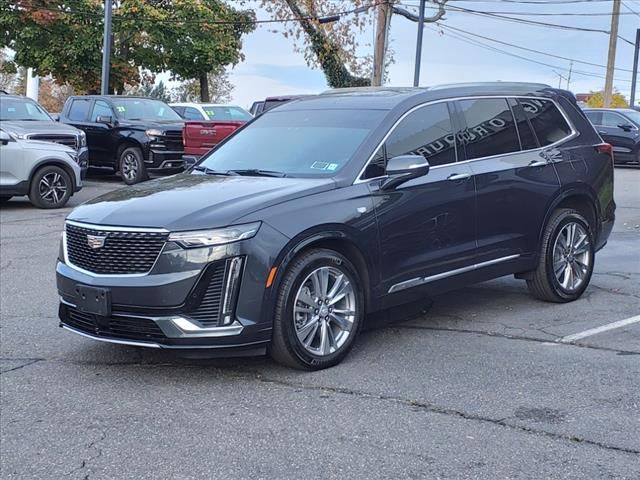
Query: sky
[(272, 67)]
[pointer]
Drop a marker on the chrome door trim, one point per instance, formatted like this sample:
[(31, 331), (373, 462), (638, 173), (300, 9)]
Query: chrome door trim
[(574, 133), (414, 282)]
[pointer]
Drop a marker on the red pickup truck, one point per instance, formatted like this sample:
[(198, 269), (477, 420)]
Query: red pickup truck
[(207, 125)]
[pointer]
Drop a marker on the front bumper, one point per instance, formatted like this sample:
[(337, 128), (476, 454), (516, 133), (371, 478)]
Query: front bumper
[(164, 308), (164, 161)]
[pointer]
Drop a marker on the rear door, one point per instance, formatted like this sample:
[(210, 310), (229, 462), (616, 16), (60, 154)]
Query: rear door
[(623, 140), (513, 181), (426, 225)]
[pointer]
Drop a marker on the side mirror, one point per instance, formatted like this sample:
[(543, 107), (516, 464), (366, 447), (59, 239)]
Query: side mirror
[(106, 119), (626, 127), (4, 137), (403, 168)]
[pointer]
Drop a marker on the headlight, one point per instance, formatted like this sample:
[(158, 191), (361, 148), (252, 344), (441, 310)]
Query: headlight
[(154, 132), (218, 236), (82, 139), (74, 156)]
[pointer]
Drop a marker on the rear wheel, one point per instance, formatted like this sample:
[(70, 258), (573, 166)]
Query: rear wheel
[(566, 260), (132, 167), (319, 311), (51, 187)]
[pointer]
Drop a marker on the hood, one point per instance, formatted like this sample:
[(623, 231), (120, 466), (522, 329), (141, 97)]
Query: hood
[(192, 201), (147, 124), (28, 127)]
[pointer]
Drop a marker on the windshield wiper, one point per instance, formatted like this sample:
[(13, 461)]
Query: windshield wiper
[(210, 171), (259, 173)]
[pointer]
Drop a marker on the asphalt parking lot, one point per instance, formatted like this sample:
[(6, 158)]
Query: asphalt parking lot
[(479, 385)]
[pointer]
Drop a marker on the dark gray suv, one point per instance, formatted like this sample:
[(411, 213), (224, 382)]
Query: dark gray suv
[(330, 207)]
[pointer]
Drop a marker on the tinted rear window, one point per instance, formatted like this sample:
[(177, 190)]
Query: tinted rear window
[(491, 129), (546, 120), (79, 110)]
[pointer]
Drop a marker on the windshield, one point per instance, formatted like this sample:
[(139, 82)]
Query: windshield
[(22, 109), (227, 114), (144, 109), (297, 143)]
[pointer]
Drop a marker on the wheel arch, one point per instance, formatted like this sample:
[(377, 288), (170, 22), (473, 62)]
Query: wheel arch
[(332, 237), (56, 163), (123, 145)]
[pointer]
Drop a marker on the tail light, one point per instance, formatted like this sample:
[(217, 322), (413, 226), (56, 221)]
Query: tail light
[(605, 148)]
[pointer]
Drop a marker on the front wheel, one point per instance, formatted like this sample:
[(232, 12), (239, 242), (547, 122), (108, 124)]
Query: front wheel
[(51, 187), (566, 258), (319, 311), (132, 167)]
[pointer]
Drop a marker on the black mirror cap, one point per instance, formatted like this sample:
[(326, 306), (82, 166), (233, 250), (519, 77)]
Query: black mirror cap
[(106, 119), (5, 138), (403, 168), (626, 127)]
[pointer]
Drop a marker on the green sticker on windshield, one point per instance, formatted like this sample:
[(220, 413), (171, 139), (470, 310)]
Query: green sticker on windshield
[(210, 113), (120, 108)]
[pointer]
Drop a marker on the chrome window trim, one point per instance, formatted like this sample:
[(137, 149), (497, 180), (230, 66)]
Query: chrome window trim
[(112, 340), (109, 228), (414, 282), (574, 133)]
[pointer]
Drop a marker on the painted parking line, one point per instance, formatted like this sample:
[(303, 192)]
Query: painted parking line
[(595, 331)]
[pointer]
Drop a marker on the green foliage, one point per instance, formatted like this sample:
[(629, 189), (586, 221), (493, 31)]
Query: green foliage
[(64, 38)]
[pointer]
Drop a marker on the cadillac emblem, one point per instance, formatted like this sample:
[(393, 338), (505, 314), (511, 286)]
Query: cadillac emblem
[(96, 241)]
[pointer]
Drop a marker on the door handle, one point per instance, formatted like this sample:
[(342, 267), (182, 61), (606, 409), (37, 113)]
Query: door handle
[(538, 163), (458, 176), (601, 132)]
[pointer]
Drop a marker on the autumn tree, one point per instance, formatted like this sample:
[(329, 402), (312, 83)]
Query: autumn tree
[(617, 100), (64, 38), (220, 88)]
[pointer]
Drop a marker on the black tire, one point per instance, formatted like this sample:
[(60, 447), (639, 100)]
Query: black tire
[(543, 282), (131, 166), (286, 348), (51, 187)]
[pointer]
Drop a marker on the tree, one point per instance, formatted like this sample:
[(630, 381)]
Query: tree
[(220, 89), (52, 95), (8, 72), (617, 101), (64, 38)]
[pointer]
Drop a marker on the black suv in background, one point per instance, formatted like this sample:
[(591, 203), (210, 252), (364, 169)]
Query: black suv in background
[(365, 200), (133, 135), (621, 128)]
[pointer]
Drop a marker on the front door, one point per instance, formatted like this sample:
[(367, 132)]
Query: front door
[(426, 225), (620, 133), (99, 135)]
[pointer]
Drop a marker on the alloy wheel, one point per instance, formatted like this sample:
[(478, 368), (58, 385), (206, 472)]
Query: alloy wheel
[(129, 167), (324, 311), (571, 256), (52, 188)]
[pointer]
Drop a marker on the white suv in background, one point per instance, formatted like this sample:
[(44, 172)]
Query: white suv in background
[(49, 173), (211, 111)]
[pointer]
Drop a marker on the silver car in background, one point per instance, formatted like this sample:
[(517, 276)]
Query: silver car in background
[(48, 173), (25, 119)]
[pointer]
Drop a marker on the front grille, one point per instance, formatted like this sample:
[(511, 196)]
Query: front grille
[(68, 140), (130, 328), (123, 253), (207, 311), (172, 140)]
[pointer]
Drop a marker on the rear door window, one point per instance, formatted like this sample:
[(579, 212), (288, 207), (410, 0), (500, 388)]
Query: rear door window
[(79, 110), (527, 137), (548, 123), (490, 127), (594, 117)]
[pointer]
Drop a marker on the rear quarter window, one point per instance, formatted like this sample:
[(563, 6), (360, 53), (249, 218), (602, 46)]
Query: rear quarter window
[(548, 123)]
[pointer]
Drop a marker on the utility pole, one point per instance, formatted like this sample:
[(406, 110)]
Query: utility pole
[(416, 73), (569, 76), (611, 60), (382, 34), (106, 48), (634, 75)]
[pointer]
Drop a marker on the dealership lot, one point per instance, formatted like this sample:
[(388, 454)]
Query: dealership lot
[(477, 383)]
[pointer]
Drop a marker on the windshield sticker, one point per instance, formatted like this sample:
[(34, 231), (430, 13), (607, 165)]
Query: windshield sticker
[(120, 108), (319, 165), (210, 113), (332, 166)]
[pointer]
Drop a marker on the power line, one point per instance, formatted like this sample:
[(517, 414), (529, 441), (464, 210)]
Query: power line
[(501, 42), (630, 10), (471, 41)]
